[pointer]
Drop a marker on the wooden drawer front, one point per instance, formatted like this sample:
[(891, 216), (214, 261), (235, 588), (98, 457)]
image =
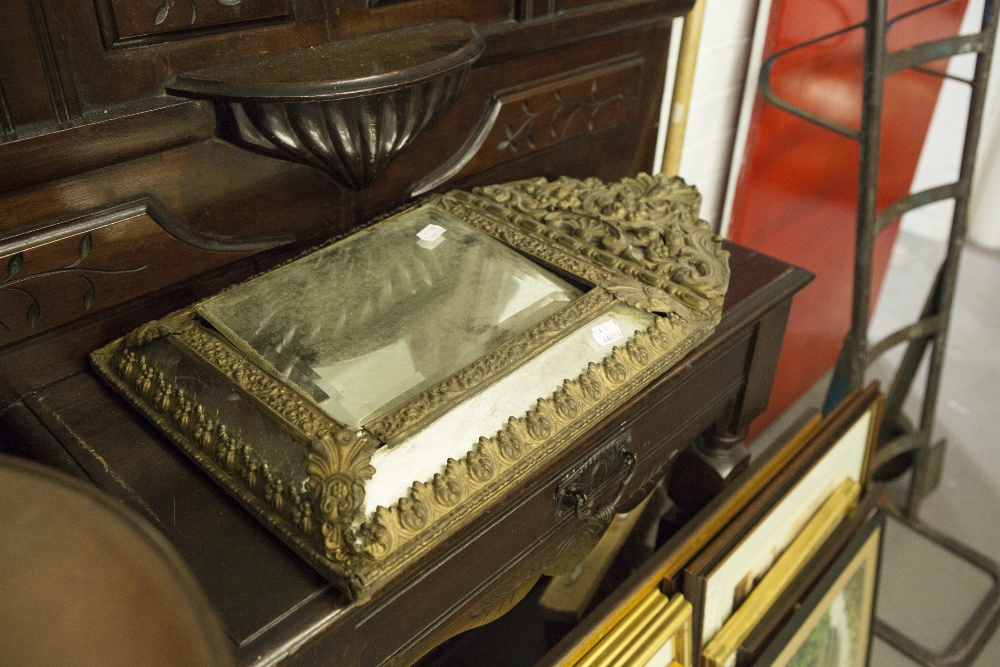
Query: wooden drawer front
[(61, 273)]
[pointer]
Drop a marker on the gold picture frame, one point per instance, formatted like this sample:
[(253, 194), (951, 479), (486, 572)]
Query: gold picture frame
[(655, 632), (637, 244), (774, 619), (721, 650)]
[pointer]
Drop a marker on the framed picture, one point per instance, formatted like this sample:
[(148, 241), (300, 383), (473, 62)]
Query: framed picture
[(725, 573), (721, 650), (655, 633), (833, 624), (662, 570), (764, 632)]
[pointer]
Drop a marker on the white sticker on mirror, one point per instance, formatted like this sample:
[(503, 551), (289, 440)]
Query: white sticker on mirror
[(430, 232), (607, 333)]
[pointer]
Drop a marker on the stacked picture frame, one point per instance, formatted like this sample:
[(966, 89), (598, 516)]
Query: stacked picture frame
[(789, 575), (737, 579)]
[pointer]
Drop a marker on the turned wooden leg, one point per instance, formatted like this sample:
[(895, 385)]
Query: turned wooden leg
[(706, 467)]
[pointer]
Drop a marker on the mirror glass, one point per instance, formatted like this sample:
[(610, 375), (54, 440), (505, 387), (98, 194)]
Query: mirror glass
[(368, 322)]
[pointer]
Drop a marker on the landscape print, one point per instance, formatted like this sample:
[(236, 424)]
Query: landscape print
[(838, 637), (832, 628)]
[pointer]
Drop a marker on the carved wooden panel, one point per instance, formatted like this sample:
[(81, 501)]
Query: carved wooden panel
[(554, 112), (63, 97), (58, 274), (144, 18), (23, 92), (548, 112), (7, 132)]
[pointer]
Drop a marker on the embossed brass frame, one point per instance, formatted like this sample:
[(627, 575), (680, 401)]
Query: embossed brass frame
[(638, 241)]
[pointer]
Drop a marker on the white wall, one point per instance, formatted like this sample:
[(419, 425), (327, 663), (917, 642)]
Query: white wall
[(941, 155), (715, 100)]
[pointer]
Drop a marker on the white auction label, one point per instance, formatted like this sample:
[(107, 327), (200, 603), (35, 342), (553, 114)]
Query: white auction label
[(607, 333), (430, 232)]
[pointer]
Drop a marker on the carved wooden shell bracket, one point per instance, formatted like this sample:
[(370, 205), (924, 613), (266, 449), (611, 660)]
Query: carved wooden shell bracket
[(346, 108)]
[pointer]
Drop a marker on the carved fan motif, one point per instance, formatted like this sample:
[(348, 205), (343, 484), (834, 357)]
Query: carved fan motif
[(346, 108)]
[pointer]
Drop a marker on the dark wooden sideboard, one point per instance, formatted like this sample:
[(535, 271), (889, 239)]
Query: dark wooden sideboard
[(274, 607), (119, 202)]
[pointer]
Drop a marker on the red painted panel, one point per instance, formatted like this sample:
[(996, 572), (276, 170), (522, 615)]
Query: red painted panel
[(796, 197)]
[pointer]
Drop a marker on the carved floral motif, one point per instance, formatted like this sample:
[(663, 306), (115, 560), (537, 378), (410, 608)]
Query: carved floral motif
[(339, 465), (561, 112), (646, 228)]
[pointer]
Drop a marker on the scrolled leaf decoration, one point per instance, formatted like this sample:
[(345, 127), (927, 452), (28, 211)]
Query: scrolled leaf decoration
[(566, 405), (614, 369), (447, 490), (637, 352), (539, 426), (33, 310), (338, 466), (643, 297), (591, 383), (14, 264), (374, 539), (412, 514), (481, 466)]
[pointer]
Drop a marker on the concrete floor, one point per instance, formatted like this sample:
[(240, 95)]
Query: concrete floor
[(925, 591)]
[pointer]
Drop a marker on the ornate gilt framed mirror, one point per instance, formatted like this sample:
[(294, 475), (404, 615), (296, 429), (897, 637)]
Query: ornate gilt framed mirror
[(368, 399)]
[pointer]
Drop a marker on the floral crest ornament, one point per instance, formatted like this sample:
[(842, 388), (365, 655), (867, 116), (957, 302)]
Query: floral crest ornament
[(648, 222)]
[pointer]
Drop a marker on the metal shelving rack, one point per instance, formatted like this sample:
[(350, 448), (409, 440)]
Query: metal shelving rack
[(899, 441)]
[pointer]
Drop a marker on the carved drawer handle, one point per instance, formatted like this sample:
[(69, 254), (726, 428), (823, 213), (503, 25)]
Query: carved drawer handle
[(578, 487), (603, 514)]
